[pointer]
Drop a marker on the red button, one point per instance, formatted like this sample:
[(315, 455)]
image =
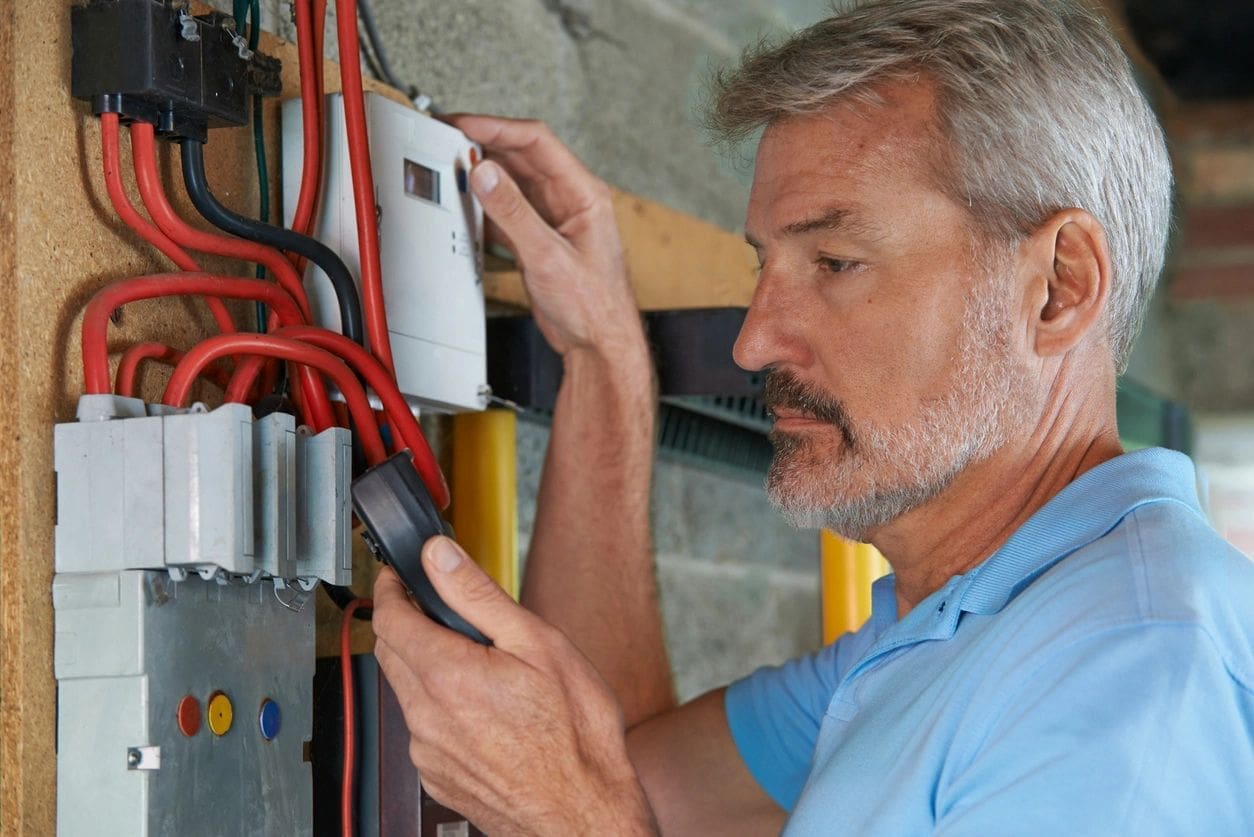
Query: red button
[(189, 716), (474, 156)]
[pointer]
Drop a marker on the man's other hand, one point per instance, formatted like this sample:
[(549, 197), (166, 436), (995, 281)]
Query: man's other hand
[(557, 218), (520, 737)]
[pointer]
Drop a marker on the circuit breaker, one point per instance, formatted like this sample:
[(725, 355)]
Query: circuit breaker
[(430, 243)]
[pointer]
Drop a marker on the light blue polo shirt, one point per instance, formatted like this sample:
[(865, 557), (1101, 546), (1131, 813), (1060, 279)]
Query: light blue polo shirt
[(1095, 675)]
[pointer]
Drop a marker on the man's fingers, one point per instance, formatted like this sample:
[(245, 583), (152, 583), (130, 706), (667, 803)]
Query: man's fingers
[(529, 139), (396, 619), (552, 176), (473, 595), (401, 677), (530, 236)]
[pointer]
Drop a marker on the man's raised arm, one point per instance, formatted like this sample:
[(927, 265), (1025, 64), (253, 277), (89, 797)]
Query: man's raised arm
[(530, 735), (589, 569)]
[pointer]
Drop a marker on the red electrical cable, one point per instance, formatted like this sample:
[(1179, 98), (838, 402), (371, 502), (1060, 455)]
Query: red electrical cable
[(158, 205), (311, 163), (363, 184), (350, 716), (150, 188), (224, 345), (131, 217), (128, 367), (408, 433), (319, 42), (244, 379), (117, 294)]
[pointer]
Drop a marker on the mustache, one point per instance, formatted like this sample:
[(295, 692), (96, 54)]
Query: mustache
[(784, 390)]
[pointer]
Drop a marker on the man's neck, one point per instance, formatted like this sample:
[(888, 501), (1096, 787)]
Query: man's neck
[(990, 500)]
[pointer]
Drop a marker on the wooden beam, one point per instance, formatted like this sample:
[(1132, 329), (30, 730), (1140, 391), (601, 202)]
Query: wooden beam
[(673, 259)]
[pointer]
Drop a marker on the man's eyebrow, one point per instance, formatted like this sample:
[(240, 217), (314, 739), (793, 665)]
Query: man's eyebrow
[(829, 219)]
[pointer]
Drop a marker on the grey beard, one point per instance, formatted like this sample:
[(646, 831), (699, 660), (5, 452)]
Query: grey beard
[(853, 517), (898, 469)]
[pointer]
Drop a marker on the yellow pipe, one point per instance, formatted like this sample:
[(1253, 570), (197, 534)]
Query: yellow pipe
[(485, 494), (848, 570)]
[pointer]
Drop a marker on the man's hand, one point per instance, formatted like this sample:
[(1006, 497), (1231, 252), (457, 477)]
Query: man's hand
[(557, 219), (520, 737)]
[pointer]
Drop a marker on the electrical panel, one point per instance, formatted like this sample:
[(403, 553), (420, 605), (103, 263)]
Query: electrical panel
[(430, 242), (188, 543)]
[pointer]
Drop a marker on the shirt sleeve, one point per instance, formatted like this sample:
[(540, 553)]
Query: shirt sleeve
[(1135, 730), (774, 715)]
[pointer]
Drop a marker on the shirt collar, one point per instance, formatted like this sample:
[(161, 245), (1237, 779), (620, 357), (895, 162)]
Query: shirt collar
[(1082, 512)]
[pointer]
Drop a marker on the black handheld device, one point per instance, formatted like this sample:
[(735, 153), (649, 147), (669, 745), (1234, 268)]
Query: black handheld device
[(400, 516)]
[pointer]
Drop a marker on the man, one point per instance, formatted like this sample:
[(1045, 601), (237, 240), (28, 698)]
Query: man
[(960, 209)]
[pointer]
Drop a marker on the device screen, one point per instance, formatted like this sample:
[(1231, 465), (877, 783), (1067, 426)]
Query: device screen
[(422, 182)]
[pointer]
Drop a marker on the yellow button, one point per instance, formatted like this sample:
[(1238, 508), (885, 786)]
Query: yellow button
[(221, 713)]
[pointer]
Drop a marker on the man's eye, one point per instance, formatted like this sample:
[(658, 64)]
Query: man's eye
[(835, 265)]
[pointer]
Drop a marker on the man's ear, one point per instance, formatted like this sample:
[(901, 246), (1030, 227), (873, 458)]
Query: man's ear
[(1070, 282)]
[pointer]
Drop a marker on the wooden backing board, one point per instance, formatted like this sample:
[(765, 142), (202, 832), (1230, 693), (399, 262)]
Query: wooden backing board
[(60, 242)]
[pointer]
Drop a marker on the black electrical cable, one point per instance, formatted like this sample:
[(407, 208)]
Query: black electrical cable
[(384, 68), (224, 219), (343, 596)]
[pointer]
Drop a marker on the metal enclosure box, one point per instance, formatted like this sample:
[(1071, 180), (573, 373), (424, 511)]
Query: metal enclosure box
[(130, 646), (430, 239)]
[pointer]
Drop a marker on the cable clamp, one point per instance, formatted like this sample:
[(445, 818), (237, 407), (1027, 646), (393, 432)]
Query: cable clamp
[(190, 30), (241, 44), (296, 603), (498, 401)]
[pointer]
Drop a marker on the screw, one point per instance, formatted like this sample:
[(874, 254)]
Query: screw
[(134, 757)]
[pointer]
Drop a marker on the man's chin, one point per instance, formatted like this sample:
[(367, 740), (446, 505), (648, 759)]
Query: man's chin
[(812, 494)]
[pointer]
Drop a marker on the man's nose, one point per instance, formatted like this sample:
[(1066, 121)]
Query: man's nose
[(771, 333)]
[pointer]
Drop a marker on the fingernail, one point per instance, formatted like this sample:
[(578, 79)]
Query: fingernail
[(484, 178), (446, 555)]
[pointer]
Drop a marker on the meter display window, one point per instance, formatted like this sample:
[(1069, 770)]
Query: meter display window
[(422, 182)]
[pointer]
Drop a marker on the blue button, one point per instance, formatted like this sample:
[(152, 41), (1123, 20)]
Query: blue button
[(462, 181), (269, 719)]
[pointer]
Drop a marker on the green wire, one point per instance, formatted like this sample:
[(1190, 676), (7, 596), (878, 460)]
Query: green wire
[(244, 9)]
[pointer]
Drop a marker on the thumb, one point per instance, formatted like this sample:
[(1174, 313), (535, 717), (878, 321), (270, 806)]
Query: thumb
[(473, 595), (529, 235)]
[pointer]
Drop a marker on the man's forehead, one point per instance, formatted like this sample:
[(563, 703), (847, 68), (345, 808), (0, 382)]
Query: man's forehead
[(845, 155)]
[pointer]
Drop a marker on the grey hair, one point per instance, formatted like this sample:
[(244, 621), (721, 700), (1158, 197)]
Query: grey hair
[(1038, 103)]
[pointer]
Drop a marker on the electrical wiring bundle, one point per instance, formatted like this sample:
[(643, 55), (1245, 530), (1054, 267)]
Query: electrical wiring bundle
[(252, 495)]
